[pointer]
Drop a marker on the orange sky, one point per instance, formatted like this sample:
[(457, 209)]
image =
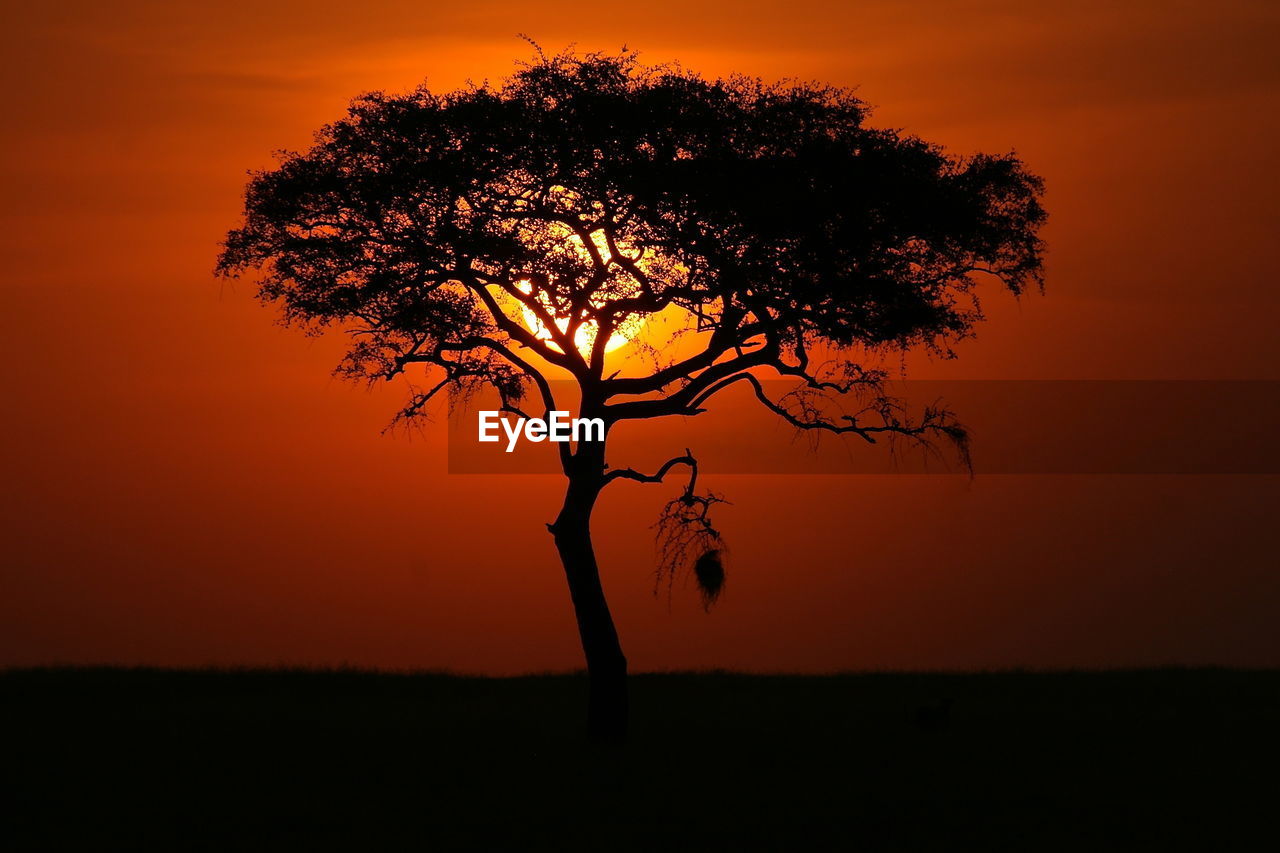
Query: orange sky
[(184, 483)]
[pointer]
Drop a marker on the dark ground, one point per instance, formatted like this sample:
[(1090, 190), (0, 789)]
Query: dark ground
[(206, 760)]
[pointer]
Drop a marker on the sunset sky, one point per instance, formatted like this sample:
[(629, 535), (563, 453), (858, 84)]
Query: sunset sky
[(186, 484)]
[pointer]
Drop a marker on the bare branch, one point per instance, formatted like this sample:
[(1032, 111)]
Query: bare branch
[(686, 537), (632, 474)]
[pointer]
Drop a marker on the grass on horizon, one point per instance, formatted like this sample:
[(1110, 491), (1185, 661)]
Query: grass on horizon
[(271, 759)]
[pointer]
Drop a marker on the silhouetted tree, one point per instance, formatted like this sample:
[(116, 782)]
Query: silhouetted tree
[(591, 192)]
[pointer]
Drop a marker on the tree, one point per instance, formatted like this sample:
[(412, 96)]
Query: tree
[(590, 192)]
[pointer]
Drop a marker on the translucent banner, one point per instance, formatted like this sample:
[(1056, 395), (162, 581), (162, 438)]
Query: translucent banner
[(1014, 427)]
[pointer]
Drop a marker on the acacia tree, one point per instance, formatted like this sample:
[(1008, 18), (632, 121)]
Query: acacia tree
[(501, 235)]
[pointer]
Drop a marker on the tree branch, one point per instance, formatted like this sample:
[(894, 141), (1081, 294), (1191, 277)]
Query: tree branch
[(657, 477)]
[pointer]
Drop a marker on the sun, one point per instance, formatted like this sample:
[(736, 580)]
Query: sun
[(584, 339), (559, 238)]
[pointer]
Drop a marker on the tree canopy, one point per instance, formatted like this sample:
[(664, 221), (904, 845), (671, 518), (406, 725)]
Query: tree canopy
[(590, 191)]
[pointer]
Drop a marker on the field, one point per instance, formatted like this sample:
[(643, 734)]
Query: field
[(274, 760)]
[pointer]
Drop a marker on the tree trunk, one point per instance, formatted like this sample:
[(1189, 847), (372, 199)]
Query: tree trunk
[(606, 665)]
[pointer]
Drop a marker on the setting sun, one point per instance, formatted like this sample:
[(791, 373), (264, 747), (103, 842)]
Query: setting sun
[(559, 239), (585, 337)]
